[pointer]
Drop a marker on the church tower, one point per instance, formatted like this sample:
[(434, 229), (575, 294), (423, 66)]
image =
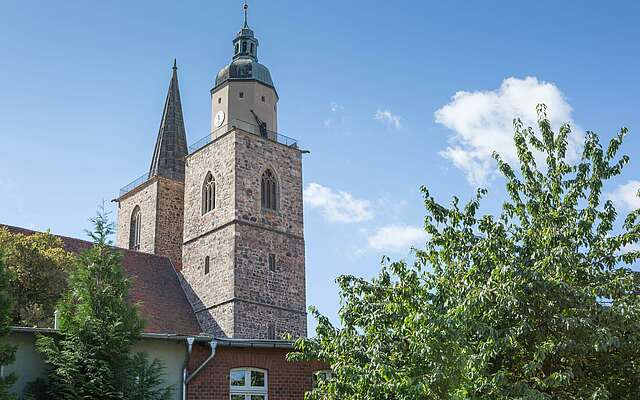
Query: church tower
[(151, 208), (243, 260)]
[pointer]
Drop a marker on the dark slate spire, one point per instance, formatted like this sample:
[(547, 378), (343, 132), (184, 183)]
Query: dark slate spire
[(171, 146)]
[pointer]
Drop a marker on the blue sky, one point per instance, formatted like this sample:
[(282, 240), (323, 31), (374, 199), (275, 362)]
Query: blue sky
[(367, 86)]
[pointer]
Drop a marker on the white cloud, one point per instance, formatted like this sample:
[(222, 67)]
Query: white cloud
[(337, 115), (336, 205), (626, 195), (388, 118), (335, 107), (397, 238), (483, 122)]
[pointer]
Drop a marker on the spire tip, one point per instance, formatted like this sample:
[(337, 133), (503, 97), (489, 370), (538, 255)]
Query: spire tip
[(175, 64), (246, 9)]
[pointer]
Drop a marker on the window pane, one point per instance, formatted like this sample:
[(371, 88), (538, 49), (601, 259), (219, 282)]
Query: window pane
[(257, 379), (257, 397), (237, 378), (237, 397)]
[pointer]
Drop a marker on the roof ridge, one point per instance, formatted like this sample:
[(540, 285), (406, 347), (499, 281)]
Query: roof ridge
[(87, 242)]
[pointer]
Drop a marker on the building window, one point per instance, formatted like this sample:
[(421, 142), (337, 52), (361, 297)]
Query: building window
[(237, 48), (242, 95), (206, 265), (208, 194), (219, 100), (269, 190), (271, 331), (134, 229), (319, 376), (272, 262), (248, 384), (264, 99), (244, 47), (251, 48)]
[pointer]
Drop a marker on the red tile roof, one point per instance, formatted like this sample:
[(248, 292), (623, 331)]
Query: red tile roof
[(155, 285)]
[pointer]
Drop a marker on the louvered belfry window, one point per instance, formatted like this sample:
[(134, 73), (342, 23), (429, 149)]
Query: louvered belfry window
[(208, 194), (269, 192)]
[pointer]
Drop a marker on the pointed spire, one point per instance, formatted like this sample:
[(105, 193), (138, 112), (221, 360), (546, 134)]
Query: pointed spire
[(171, 145)]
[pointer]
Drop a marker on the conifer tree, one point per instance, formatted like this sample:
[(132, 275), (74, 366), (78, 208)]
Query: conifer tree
[(539, 302), (90, 358)]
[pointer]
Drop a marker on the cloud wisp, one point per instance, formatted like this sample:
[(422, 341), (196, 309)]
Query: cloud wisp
[(482, 122), (396, 238), (337, 205), (388, 118), (626, 195)]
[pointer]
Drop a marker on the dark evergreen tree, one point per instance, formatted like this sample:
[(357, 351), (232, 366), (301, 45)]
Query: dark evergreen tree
[(91, 358)]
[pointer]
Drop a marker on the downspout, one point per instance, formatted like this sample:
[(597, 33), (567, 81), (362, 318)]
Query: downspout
[(190, 341), (186, 378)]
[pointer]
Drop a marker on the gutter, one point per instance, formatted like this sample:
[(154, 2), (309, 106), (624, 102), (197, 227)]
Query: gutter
[(186, 377)]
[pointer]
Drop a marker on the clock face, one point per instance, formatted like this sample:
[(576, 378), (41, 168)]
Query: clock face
[(219, 119)]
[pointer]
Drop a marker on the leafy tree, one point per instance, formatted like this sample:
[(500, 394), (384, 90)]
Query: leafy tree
[(539, 302), (90, 358), (7, 352), (38, 268)]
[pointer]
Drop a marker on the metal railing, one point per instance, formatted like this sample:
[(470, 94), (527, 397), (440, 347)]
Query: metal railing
[(247, 127), (134, 184), (232, 124)]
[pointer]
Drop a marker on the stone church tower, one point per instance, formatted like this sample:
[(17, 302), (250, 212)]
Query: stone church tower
[(239, 195)]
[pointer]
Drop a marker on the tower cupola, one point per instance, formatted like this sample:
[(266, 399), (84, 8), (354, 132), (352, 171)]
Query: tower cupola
[(245, 65), (244, 92)]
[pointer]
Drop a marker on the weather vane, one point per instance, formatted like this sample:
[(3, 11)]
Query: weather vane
[(246, 9)]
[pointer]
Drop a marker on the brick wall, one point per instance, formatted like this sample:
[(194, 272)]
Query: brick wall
[(286, 380)]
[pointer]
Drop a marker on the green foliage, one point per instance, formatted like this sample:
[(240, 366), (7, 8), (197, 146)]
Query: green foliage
[(38, 389), (7, 352), (539, 302), (90, 358), (38, 268), (145, 381)]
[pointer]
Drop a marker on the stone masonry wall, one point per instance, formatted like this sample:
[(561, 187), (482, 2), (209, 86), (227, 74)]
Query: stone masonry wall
[(212, 235), (169, 220), (217, 158), (208, 290), (252, 321), (144, 196), (254, 155), (281, 292), (241, 296), (269, 297)]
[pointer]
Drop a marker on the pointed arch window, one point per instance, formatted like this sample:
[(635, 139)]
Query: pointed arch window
[(208, 194), (135, 228), (269, 190)]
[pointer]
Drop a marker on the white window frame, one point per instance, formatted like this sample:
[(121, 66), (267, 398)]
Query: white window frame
[(247, 390)]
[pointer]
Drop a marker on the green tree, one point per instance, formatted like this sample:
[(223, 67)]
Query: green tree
[(539, 302), (38, 269), (90, 358), (7, 351)]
